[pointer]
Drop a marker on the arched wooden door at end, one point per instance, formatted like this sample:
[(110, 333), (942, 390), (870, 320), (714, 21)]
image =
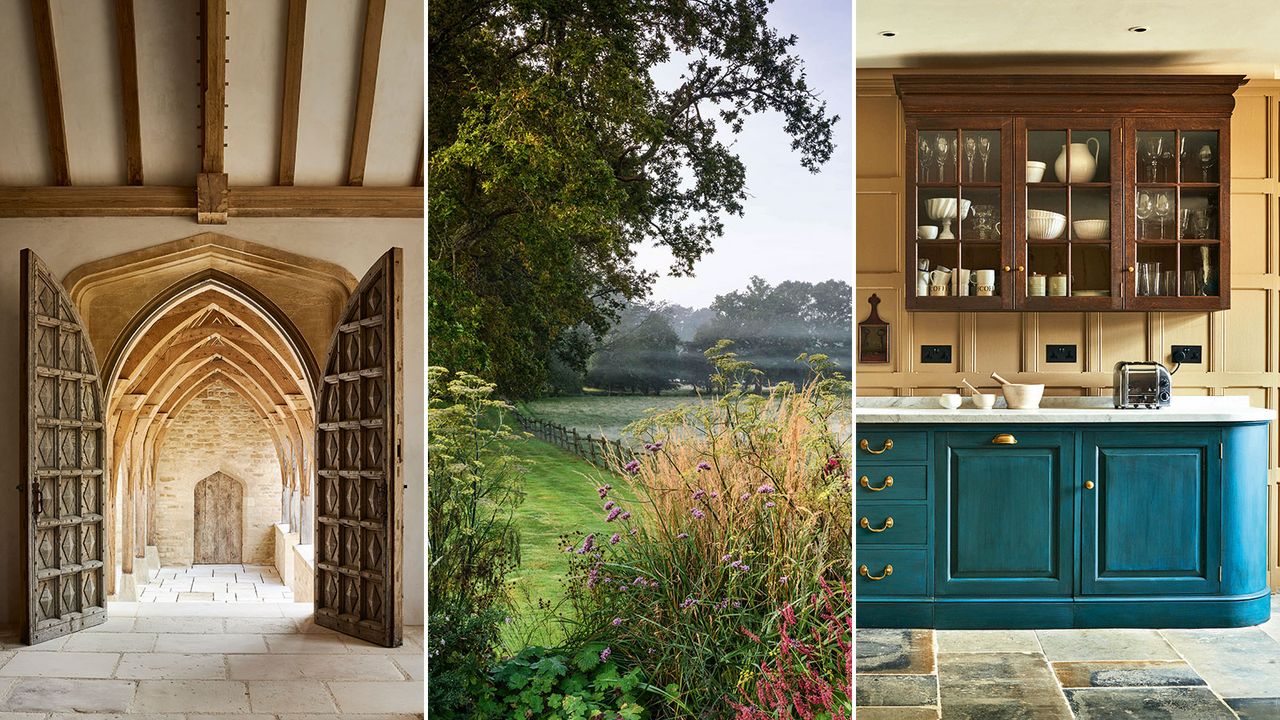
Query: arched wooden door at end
[(63, 478), (359, 518), (219, 521)]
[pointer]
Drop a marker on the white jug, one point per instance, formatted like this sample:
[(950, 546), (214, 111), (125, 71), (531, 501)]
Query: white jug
[(1084, 162)]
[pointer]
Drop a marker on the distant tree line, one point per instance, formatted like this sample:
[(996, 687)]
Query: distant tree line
[(658, 347)]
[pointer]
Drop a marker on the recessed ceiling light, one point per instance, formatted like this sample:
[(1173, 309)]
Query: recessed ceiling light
[(887, 33), (1138, 28)]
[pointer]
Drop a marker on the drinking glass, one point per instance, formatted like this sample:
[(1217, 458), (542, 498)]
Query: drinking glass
[(1200, 224), (1169, 282), (1164, 208), (970, 149), (1149, 278), (926, 157), (943, 147), (1190, 283), (1206, 161), (984, 150), (1145, 208), (1154, 149)]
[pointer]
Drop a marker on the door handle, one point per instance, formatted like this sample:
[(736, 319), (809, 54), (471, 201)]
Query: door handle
[(888, 445), (866, 483), (864, 572), (38, 499), (866, 524), (1088, 484), (1004, 439)]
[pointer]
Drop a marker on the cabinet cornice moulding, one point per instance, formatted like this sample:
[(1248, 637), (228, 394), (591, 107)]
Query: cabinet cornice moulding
[(1058, 94)]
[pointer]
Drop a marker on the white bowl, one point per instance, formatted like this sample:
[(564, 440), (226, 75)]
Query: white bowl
[(927, 232), (984, 401), (1091, 229), (945, 208), (1035, 171), (950, 401), (1020, 396), (1045, 225)]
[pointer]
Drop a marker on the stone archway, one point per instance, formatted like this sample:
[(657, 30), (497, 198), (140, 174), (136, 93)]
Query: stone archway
[(218, 525)]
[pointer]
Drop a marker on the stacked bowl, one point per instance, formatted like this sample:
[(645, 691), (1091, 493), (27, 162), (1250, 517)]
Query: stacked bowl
[(1045, 225)]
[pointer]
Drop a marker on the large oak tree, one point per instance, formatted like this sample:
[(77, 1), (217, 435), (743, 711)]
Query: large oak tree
[(554, 149)]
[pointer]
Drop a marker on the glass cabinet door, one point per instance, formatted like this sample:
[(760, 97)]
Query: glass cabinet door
[(1070, 237), (958, 218), (1178, 209)]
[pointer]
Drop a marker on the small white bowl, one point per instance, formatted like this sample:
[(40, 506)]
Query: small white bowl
[(950, 401), (1091, 229), (1045, 224), (984, 401), (927, 232), (1035, 171)]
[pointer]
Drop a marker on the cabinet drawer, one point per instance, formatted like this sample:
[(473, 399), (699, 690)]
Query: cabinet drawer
[(891, 482), (892, 523), (909, 576), (885, 444)]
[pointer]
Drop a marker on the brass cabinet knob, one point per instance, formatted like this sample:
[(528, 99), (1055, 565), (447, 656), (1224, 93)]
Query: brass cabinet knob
[(888, 445), (1004, 439), (1020, 268), (866, 525), (1129, 269), (1007, 268), (1088, 484), (864, 572), (866, 483)]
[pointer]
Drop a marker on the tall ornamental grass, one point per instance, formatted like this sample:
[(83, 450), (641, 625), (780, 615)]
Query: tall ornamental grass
[(741, 516)]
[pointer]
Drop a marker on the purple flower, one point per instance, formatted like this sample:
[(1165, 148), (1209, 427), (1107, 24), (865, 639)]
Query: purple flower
[(682, 536), (745, 567), (715, 495), (626, 515), (698, 514), (593, 577), (737, 604), (617, 621), (699, 494), (613, 540), (633, 531), (704, 465), (632, 467), (604, 490), (638, 581), (782, 579), (613, 514), (610, 505), (587, 544), (652, 651), (744, 497), (726, 558), (688, 603), (769, 504), (604, 655), (655, 447), (736, 564), (764, 489)]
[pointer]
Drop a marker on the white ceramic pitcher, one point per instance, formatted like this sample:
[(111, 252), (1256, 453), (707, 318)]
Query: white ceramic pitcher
[(1084, 161)]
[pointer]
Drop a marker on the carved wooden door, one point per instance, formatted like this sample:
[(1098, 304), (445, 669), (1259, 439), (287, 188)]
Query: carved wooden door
[(219, 519), (359, 522), (63, 478)]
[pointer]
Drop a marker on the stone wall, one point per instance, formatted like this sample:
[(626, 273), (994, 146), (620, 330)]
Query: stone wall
[(217, 431)]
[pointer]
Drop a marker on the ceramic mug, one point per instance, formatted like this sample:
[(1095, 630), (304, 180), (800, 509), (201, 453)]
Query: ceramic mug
[(986, 282), (938, 290), (927, 232), (960, 279)]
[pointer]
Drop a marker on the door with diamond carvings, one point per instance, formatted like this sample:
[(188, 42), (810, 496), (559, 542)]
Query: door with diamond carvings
[(62, 481), (359, 521)]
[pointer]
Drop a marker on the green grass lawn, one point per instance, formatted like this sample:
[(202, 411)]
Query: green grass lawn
[(602, 414), (560, 497)]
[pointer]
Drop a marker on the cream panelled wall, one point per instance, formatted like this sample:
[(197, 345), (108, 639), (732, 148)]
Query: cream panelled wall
[(1240, 344)]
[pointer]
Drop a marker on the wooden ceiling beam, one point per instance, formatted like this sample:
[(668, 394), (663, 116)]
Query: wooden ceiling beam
[(51, 88), (292, 90), (127, 48), (163, 201), (375, 11), (213, 62)]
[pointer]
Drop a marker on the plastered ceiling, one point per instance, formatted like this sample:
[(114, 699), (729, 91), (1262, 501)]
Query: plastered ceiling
[(168, 52), (1229, 36)]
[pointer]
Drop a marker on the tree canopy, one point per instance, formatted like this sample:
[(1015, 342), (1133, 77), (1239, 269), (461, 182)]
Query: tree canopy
[(553, 151)]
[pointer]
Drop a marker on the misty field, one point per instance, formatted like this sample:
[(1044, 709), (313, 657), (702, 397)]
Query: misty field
[(603, 415)]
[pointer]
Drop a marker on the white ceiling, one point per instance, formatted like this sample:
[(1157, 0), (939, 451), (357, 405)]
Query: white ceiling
[(168, 79), (1235, 36)]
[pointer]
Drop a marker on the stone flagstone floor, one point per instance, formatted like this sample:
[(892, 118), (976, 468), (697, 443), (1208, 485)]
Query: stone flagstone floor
[(200, 661), (1070, 674), (216, 583)]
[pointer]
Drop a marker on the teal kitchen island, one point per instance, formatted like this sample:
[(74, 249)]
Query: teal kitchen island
[(1076, 514)]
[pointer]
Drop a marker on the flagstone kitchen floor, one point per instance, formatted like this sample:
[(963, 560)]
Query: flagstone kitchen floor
[(197, 660), (1066, 674), (216, 583)]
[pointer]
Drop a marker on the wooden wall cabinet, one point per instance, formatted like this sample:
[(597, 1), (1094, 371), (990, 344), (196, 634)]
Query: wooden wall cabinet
[(1081, 193)]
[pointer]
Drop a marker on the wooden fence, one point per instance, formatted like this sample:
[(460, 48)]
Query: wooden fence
[(599, 451)]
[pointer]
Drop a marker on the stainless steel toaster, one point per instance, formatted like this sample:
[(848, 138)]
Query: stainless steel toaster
[(1142, 385)]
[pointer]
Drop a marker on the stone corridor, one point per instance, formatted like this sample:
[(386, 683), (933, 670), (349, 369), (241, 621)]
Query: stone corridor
[(197, 660), (216, 583)]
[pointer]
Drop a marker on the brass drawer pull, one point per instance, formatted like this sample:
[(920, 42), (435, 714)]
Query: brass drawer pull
[(888, 445), (864, 572), (866, 483), (1088, 484), (1004, 439), (866, 524)]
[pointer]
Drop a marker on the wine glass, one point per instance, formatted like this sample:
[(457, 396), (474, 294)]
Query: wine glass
[(1145, 208), (1164, 208), (1200, 222), (984, 151), (926, 157), (1154, 148), (943, 147), (1184, 158), (970, 149), (1166, 162), (1206, 161)]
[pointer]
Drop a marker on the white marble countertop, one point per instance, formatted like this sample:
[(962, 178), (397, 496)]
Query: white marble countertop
[(904, 410)]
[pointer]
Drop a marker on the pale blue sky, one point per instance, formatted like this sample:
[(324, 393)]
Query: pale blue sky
[(796, 226)]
